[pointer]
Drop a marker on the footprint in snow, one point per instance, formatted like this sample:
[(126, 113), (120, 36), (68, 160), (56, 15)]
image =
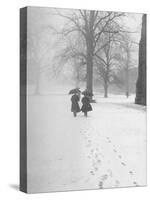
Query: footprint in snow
[(92, 173), (135, 183), (100, 184), (92, 151), (114, 150), (131, 172), (96, 168), (120, 156), (104, 177), (123, 163), (117, 183), (99, 161)]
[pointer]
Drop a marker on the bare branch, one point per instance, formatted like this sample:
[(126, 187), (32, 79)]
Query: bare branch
[(97, 35), (101, 59), (73, 20), (101, 19)]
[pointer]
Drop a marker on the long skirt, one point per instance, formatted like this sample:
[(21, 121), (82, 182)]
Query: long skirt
[(75, 107), (86, 108)]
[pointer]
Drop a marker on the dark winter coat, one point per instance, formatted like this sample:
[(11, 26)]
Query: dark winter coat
[(75, 106), (86, 105)]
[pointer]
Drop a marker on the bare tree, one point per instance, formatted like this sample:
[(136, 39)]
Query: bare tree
[(105, 62), (141, 82), (91, 25), (71, 53), (126, 49), (39, 46)]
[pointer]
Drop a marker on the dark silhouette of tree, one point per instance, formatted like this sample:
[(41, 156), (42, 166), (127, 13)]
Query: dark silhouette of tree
[(141, 82)]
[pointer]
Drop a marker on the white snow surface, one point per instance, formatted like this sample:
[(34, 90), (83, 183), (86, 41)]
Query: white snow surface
[(105, 150)]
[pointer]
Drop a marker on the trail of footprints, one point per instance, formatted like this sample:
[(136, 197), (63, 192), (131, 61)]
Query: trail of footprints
[(122, 163), (96, 158)]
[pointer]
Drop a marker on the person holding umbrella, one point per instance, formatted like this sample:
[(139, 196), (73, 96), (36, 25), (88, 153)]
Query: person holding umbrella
[(86, 107), (74, 100)]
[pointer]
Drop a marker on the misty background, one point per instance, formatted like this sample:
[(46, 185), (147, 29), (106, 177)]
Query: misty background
[(57, 51)]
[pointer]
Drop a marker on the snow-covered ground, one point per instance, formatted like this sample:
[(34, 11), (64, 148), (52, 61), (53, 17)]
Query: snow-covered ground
[(105, 150)]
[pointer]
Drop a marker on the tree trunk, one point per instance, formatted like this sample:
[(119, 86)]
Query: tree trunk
[(105, 89), (77, 75), (89, 73), (90, 52), (127, 82), (141, 82)]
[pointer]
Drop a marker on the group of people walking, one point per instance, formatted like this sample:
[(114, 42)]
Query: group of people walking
[(86, 106)]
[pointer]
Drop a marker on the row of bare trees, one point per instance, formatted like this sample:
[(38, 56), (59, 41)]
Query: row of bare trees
[(97, 40), (93, 43)]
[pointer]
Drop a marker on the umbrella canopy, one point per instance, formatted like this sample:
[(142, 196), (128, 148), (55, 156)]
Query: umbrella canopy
[(74, 91), (87, 93)]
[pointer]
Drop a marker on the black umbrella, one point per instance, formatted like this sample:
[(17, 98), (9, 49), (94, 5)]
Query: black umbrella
[(74, 91), (87, 93)]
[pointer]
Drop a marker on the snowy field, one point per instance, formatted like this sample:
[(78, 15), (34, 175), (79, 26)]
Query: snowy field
[(105, 150)]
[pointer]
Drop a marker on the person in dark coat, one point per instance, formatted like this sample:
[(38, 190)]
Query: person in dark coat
[(86, 107), (75, 105)]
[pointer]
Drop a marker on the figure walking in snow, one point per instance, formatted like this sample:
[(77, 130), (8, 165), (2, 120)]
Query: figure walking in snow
[(86, 107), (75, 105)]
